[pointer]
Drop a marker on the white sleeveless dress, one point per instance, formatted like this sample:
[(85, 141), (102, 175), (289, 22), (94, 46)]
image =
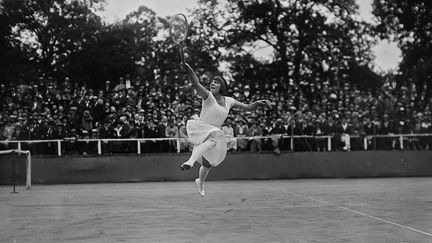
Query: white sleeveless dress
[(208, 125)]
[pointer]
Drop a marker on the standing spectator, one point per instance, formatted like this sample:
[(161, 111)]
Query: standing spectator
[(87, 121), (118, 132), (386, 128), (105, 132), (255, 143), (230, 135), (269, 143), (241, 130), (85, 146), (151, 131), (75, 118), (128, 81), (72, 146), (163, 146), (107, 89), (330, 129), (8, 130), (48, 131), (172, 131), (121, 85), (321, 143), (98, 111), (185, 145), (7, 133), (344, 130), (416, 129)]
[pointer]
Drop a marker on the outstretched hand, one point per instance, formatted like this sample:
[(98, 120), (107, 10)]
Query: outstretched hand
[(265, 102)]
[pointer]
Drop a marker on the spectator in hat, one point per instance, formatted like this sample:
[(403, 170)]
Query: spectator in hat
[(185, 145), (72, 146), (75, 118), (8, 130), (121, 130), (121, 85), (7, 133), (107, 89), (84, 145), (172, 131), (162, 146), (345, 130), (255, 144), (228, 129), (106, 132), (98, 111), (241, 130), (87, 121), (151, 131)]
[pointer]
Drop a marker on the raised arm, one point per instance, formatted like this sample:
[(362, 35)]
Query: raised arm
[(251, 106), (203, 92)]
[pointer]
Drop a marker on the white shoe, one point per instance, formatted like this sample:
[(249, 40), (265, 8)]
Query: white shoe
[(200, 187)]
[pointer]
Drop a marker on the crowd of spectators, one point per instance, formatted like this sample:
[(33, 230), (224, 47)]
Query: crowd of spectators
[(135, 108)]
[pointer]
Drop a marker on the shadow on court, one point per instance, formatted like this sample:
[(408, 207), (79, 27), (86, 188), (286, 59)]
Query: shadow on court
[(313, 210)]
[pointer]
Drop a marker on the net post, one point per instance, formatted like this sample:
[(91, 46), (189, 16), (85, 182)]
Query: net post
[(99, 147), (329, 143), (28, 181), (59, 148), (138, 146), (19, 146), (13, 177), (401, 142), (292, 143), (365, 143), (178, 145)]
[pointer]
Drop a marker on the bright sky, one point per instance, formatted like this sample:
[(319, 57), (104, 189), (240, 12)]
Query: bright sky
[(388, 55)]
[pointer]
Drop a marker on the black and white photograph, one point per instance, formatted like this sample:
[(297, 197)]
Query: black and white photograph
[(215, 121)]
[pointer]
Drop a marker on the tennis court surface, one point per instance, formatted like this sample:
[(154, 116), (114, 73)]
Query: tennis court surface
[(307, 210)]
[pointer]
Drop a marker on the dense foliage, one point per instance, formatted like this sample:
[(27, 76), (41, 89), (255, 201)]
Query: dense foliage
[(409, 23)]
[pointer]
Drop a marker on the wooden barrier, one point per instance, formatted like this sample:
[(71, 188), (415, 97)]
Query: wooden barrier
[(237, 166)]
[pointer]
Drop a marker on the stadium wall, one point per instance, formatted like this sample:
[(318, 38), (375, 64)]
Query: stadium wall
[(237, 166)]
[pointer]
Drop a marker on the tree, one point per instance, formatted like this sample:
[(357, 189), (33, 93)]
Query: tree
[(48, 32), (409, 23), (312, 40)]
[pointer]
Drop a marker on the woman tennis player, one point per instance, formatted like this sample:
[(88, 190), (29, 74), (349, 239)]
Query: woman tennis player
[(205, 133)]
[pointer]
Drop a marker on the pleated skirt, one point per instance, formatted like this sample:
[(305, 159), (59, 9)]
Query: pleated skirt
[(199, 131)]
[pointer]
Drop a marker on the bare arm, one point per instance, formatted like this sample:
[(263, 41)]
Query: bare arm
[(251, 106), (203, 92)]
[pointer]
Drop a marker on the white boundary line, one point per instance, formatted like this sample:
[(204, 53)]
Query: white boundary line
[(364, 214)]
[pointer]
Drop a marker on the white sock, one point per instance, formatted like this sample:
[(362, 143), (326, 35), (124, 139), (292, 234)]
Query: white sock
[(200, 150)]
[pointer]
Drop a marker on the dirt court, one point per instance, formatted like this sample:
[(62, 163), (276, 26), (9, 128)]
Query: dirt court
[(307, 210)]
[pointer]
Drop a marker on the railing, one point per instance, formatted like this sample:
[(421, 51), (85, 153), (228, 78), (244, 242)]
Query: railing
[(366, 140)]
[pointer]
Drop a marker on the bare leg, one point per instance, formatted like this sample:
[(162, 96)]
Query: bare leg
[(203, 172), (198, 152)]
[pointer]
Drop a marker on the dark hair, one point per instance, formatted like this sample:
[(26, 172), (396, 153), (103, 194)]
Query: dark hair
[(224, 84)]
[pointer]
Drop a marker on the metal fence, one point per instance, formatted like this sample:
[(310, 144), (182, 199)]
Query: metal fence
[(294, 143)]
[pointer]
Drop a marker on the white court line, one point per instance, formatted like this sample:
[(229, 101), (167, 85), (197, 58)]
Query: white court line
[(364, 214)]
